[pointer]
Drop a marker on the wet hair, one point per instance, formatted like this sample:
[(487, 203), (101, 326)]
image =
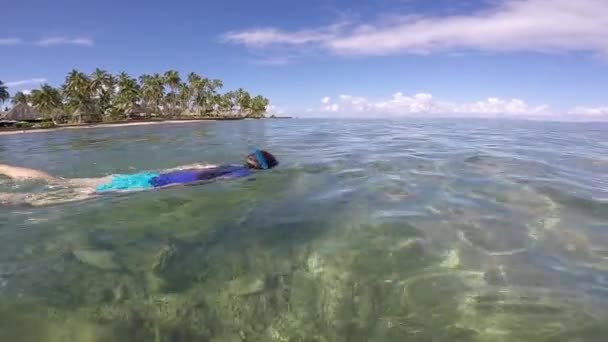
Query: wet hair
[(271, 161)]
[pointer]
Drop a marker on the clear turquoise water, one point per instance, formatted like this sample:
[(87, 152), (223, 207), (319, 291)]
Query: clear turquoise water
[(411, 230)]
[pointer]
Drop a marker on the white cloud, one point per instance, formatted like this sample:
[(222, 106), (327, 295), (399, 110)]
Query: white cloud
[(25, 82), (10, 41), (275, 110), (509, 26), (423, 104), (266, 36), (50, 41), (261, 37), (590, 111), (274, 60), (54, 41), (426, 105)]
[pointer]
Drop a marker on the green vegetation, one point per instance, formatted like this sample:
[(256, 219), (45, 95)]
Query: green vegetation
[(4, 95), (48, 101), (20, 97), (25, 125), (102, 96)]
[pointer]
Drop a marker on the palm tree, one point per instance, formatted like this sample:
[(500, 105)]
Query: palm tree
[(145, 86), (158, 94), (211, 96), (228, 102), (4, 94), (128, 93), (185, 96), (101, 93), (196, 84), (216, 84), (102, 90), (203, 96), (47, 100), (77, 92), (259, 105), (20, 97), (77, 84), (172, 80), (194, 80), (100, 81), (218, 105), (243, 99), (152, 92)]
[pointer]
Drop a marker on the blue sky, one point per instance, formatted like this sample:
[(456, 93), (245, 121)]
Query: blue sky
[(525, 58)]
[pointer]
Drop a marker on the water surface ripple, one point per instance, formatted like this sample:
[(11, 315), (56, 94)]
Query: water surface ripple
[(417, 230)]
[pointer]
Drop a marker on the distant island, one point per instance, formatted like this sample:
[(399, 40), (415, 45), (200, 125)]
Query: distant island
[(101, 98)]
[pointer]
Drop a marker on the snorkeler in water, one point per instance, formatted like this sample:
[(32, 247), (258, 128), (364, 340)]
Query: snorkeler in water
[(75, 189)]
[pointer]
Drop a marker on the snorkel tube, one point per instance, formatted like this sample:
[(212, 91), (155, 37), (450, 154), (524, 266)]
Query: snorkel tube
[(261, 161)]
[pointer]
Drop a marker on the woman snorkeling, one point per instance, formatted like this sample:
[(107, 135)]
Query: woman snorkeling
[(76, 189)]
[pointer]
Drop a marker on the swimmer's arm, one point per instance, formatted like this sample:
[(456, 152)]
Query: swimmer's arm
[(191, 166)]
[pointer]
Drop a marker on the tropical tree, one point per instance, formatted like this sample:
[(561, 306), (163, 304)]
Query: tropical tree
[(101, 93), (216, 84), (77, 93), (228, 102), (128, 93), (185, 97), (259, 105), (152, 92), (212, 93), (4, 94), (243, 100), (204, 97), (20, 97), (102, 90), (48, 101), (219, 106), (197, 88), (204, 94), (101, 80), (172, 80)]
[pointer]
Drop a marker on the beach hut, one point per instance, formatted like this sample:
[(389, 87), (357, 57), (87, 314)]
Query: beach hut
[(82, 115), (60, 117), (6, 123), (137, 111), (23, 112)]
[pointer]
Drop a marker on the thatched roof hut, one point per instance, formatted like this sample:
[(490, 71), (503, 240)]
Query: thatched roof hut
[(138, 111), (22, 112), (84, 114)]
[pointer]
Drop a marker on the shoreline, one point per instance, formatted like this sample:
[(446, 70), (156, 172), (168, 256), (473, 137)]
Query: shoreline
[(107, 125)]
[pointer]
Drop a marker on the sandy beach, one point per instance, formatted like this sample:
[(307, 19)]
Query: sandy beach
[(100, 125)]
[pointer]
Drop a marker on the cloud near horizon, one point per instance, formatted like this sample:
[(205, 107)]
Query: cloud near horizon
[(426, 105), (599, 112), (275, 110), (10, 41), (30, 81), (422, 103), (49, 41), (546, 26), (55, 41)]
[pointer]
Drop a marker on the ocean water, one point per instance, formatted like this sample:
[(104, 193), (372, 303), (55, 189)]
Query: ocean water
[(369, 230)]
